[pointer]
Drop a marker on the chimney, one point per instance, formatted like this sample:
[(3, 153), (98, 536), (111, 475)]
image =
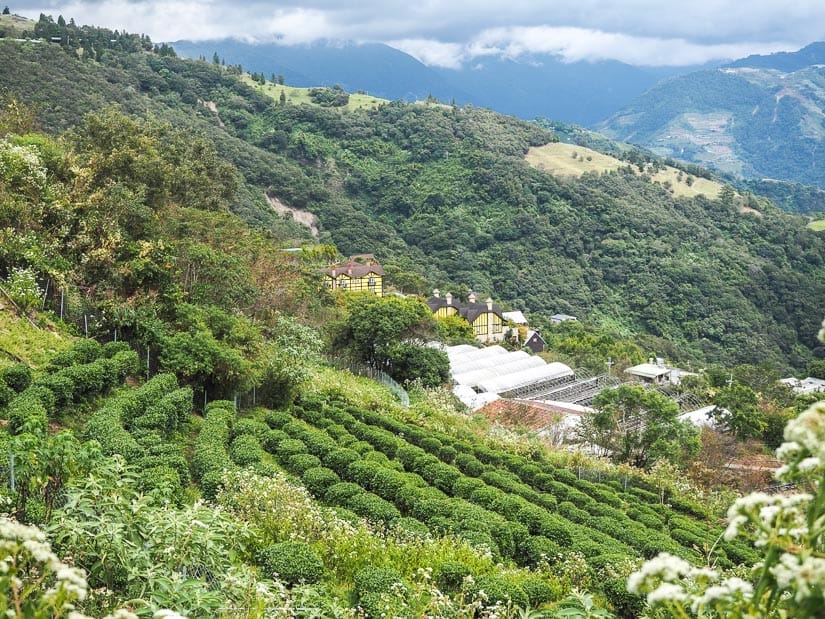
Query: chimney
[(471, 297), (333, 273), (660, 362), (436, 293), (449, 298), (489, 304), (650, 360)]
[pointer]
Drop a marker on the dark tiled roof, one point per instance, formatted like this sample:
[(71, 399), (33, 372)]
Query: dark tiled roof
[(469, 311), (355, 268)]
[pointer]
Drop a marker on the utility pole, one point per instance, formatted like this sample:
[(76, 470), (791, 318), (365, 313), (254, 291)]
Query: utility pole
[(610, 363)]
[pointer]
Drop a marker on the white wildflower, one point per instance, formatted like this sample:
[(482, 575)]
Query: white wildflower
[(666, 592), (788, 451), (663, 568)]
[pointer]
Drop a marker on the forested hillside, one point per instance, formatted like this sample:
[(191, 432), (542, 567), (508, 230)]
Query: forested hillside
[(442, 195), (759, 118)]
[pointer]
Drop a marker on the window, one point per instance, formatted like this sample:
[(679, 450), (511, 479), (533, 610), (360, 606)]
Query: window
[(371, 282), (343, 284)]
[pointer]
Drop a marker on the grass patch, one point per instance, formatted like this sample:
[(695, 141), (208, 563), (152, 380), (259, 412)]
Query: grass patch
[(562, 159), (19, 340), (817, 225), (300, 96)]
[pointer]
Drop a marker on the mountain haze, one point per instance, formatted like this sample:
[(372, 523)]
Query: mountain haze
[(759, 117), (528, 86)]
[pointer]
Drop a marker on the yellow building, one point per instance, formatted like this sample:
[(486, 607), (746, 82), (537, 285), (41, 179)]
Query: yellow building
[(485, 318), (360, 273)]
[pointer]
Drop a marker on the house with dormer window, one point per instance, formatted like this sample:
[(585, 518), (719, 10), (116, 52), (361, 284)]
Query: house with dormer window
[(485, 318), (359, 273)]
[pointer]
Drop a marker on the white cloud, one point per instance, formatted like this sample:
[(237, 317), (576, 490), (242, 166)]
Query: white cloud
[(448, 32), (575, 44), (432, 53)]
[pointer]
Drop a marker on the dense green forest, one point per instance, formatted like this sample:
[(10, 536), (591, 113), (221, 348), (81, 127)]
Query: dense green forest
[(442, 196)]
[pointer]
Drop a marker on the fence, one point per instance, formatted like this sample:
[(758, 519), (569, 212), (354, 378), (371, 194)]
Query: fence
[(360, 369)]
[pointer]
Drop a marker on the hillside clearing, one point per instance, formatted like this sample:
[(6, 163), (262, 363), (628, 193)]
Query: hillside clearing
[(20, 341), (300, 96), (818, 225), (562, 159)]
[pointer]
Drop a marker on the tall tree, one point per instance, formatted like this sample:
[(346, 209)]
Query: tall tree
[(637, 426)]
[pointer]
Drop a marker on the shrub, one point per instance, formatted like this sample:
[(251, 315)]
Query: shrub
[(110, 349), (380, 592), (18, 377), (27, 412), (464, 487), (627, 605), (441, 475), (376, 580), (373, 507), (537, 548), (299, 463), (498, 589), (272, 439), (289, 447), (319, 444), (292, 562), (450, 575), (168, 413), (340, 459), (508, 536), (61, 386), (317, 479), (223, 404), (340, 493), (277, 419), (126, 363), (245, 450), (412, 525), (431, 445), (539, 591), (258, 429), (6, 394), (161, 481), (104, 426)]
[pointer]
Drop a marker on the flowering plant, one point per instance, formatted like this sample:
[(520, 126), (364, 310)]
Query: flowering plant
[(788, 528)]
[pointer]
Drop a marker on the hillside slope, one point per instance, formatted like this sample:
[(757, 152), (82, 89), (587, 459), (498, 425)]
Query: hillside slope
[(758, 117), (444, 198)]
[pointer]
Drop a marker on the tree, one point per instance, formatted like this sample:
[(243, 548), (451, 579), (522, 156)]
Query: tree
[(638, 426), (375, 325), (408, 362), (6, 11), (216, 59), (282, 98), (737, 412)]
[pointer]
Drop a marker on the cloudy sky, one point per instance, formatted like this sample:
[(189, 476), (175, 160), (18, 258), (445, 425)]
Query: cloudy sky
[(451, 33)]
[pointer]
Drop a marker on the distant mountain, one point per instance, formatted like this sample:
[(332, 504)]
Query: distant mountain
[(378, 69), (759, 117), (809, 55), (537, 85)]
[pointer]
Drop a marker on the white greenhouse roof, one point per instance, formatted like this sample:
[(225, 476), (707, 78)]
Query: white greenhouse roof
[(460, 366), (476, 353), (516, 317), (526, 377), (516, 366), (473, 400)]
